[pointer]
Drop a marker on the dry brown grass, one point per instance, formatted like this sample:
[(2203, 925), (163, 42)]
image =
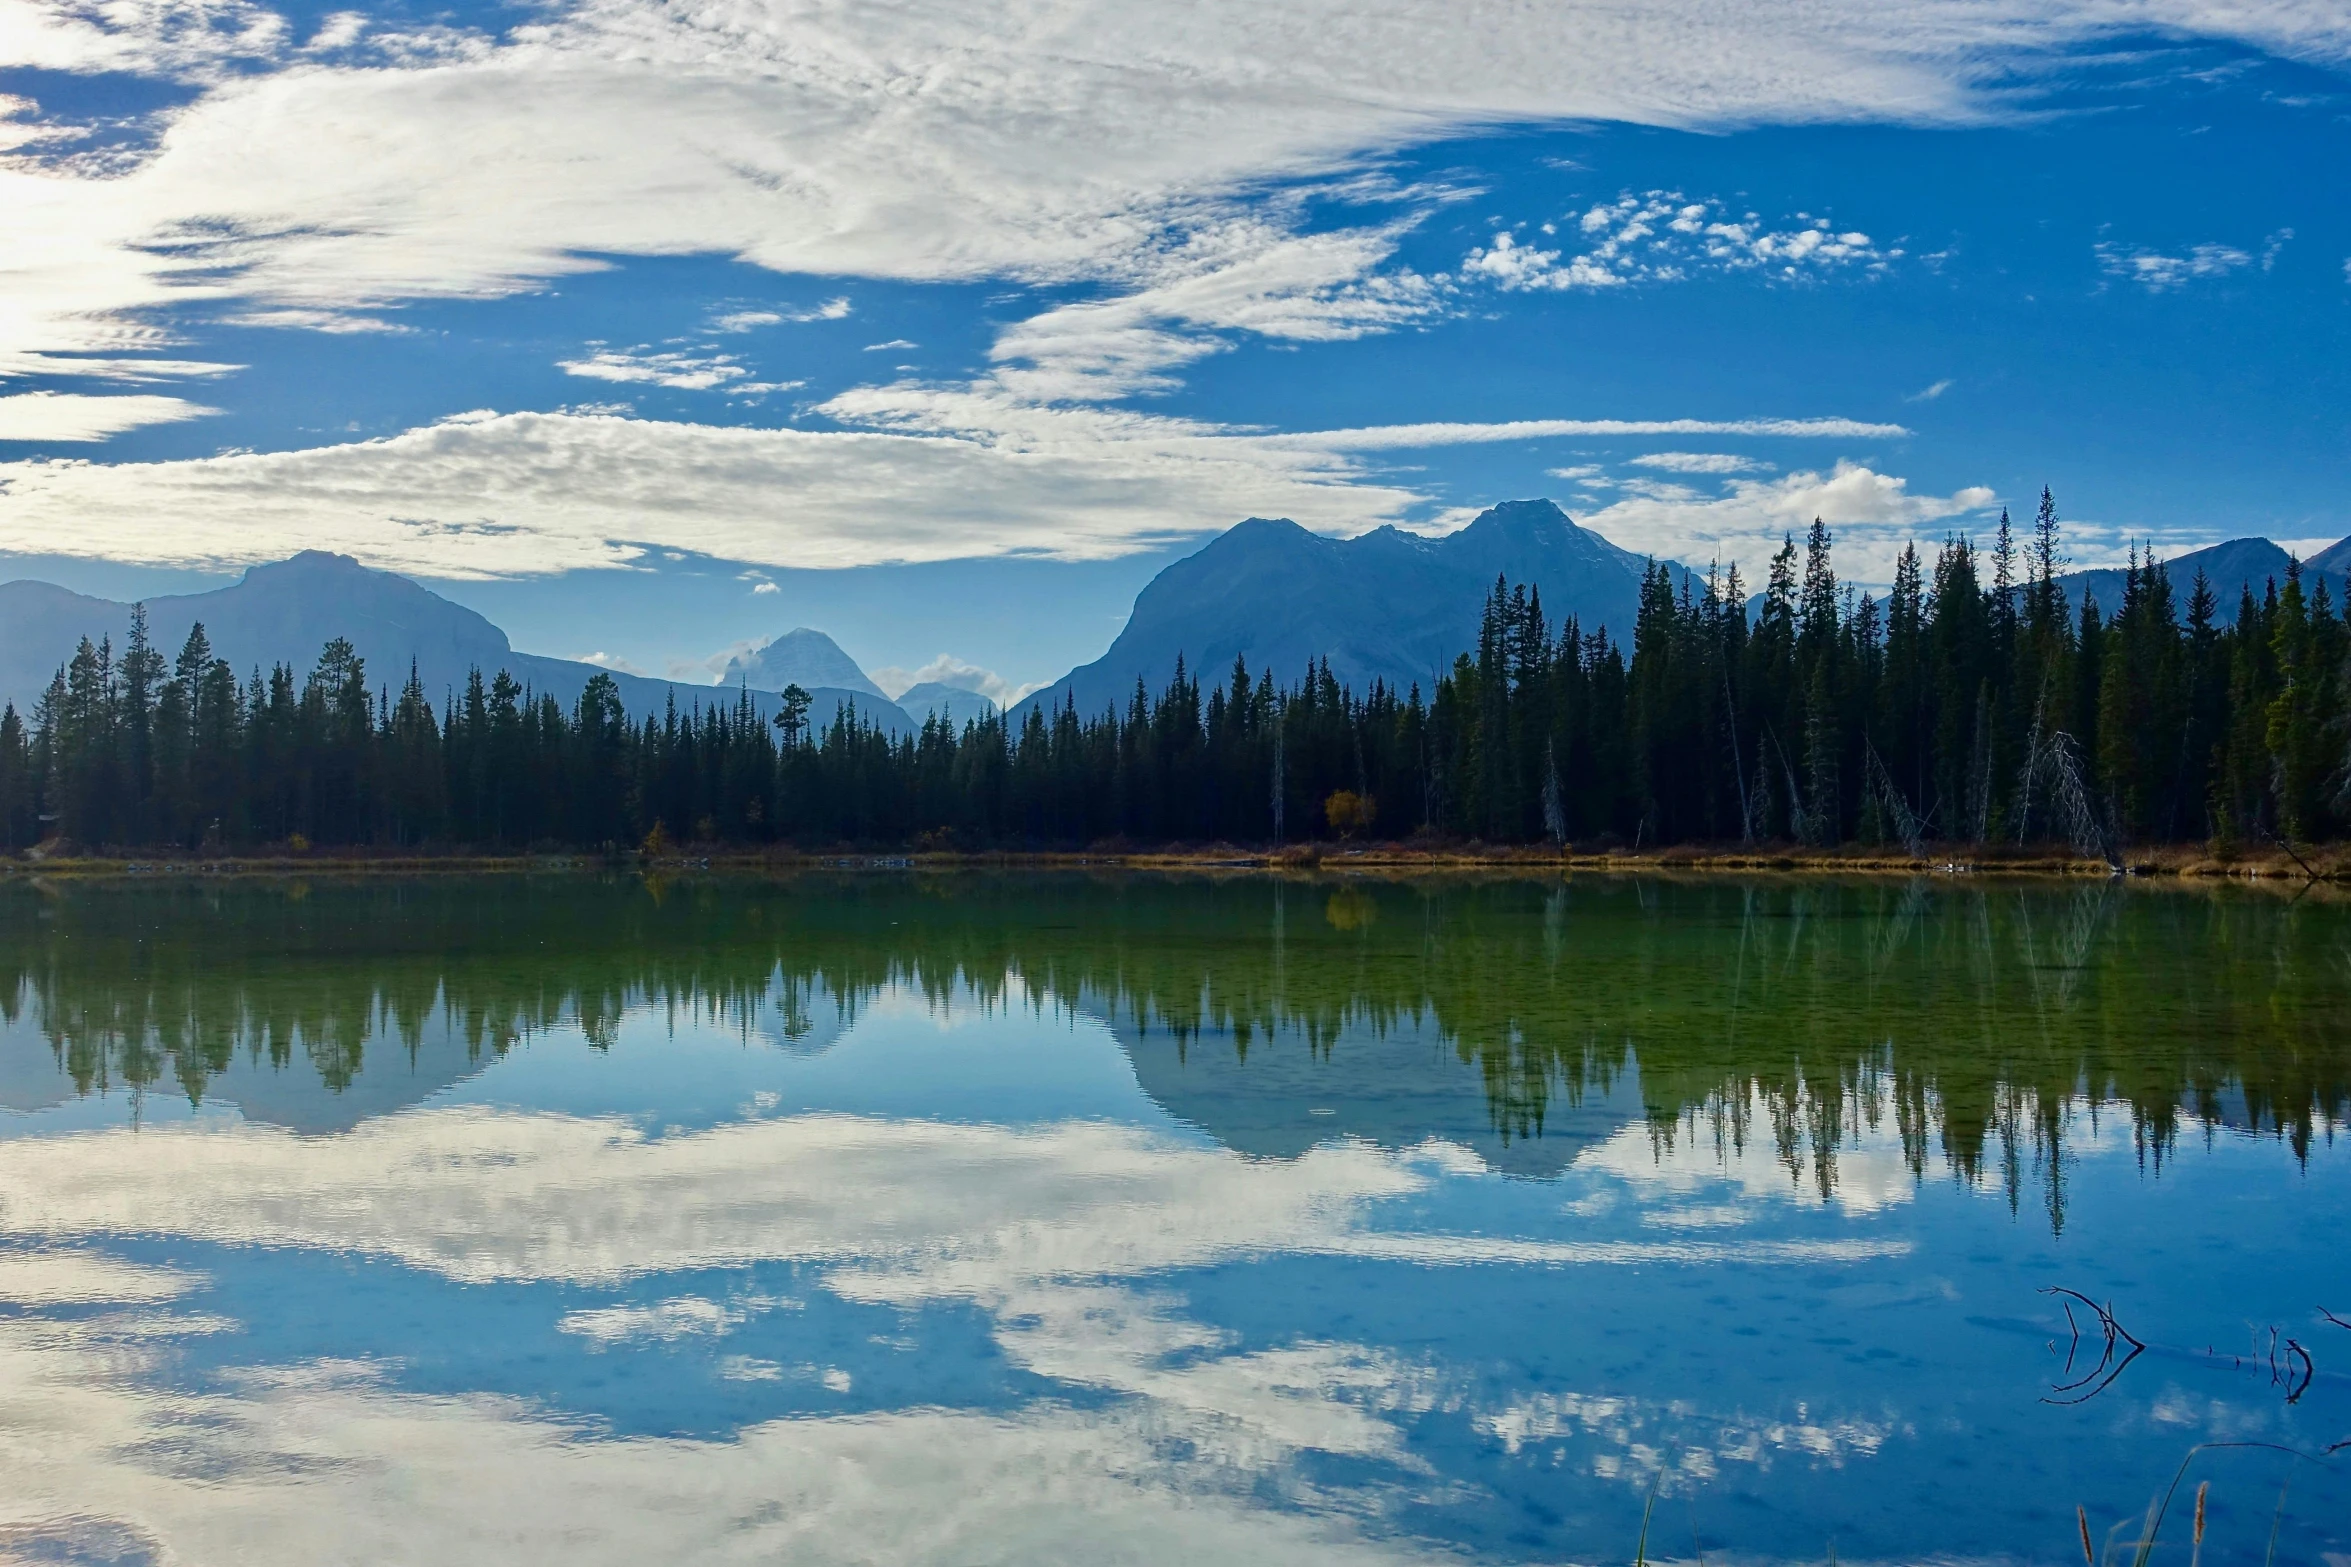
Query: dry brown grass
[(2268, 865)]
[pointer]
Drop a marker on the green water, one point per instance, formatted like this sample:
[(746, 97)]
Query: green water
[(1309, 1220)]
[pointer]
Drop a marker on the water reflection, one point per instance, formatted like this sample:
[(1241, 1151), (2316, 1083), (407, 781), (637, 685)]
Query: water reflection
[(1057, 1219), (1524, 1021)]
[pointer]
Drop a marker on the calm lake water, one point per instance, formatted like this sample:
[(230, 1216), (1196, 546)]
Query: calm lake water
[(1101, 1220)]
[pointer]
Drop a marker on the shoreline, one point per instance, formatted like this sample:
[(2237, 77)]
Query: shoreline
[(2179, 862)]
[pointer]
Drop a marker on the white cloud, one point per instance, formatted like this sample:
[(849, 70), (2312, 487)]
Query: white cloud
[(686, 372), (1700, 462), (895, 342), (1873, 514), (1661, 236), (74, 416), (764, 587), (1929, 393), (1508, 264), (531, 493), (1388, 437), (836, 309), (131, 372), (185, 38), (340, 323), (930, 473), (931, 140), (948, 670), (2158, 273), (611, 661), (1146, 154)]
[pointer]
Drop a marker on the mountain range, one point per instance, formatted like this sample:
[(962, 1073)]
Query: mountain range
[(2231, 568), (1398, 607), (286, 611), (1388, 605)]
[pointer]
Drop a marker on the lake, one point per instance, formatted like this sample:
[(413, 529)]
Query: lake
[(898, 1218)]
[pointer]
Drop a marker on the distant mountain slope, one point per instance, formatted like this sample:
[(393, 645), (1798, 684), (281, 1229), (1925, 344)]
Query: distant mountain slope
[(286, 611), (802, 657), (2230, 568), (2334, 560), (1389, 605), (953, 703)]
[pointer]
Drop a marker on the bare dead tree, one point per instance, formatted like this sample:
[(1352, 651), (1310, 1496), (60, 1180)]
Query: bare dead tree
[(1897, 809)]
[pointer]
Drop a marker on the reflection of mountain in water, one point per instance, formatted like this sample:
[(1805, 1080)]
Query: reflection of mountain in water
[(799, 1019), (1277, 1092), (323, 1083), (1973, 1021)]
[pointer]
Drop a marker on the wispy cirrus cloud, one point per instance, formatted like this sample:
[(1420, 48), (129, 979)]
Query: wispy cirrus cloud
[(526, 494), (1701, 462), (73, 416), (1388, 437), (1142, 156), (438, 162), (924, 473)]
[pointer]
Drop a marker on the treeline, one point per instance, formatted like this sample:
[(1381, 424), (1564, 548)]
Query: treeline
[(1972, 705), (1969, 1021)]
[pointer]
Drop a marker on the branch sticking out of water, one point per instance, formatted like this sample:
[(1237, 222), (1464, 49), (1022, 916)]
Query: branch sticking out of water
[(2294, 1389), (2112, 1358)]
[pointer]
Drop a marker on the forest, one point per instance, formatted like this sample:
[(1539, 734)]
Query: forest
[(1972, 705)]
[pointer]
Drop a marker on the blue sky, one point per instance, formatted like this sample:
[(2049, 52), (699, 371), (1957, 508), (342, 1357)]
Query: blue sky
[(654, 332)]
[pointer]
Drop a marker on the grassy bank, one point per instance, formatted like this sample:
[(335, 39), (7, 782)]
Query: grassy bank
[(2273, 865)]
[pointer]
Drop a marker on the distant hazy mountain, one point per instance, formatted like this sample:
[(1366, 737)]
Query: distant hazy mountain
[(802, 657), (287, 611), (953, 703), (2334, 560), (2230, 568), (1389, 605)]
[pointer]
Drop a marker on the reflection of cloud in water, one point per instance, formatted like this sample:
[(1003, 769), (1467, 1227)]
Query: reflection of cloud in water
[(906, 1210), (1814, 1150), (1637, 1439), (61, 1276), (1056, 1233), (1769, 1150), (327, 1463), (679, 1317), (684, 1316)]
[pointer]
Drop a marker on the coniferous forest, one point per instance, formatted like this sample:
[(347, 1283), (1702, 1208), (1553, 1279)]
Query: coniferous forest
[(1972, 705)]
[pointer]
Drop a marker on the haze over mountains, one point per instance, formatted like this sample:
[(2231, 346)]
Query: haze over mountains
[(1387, 605), (286, 611)]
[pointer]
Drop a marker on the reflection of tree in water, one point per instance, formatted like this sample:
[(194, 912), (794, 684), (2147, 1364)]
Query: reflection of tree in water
[(1977, 1021)]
